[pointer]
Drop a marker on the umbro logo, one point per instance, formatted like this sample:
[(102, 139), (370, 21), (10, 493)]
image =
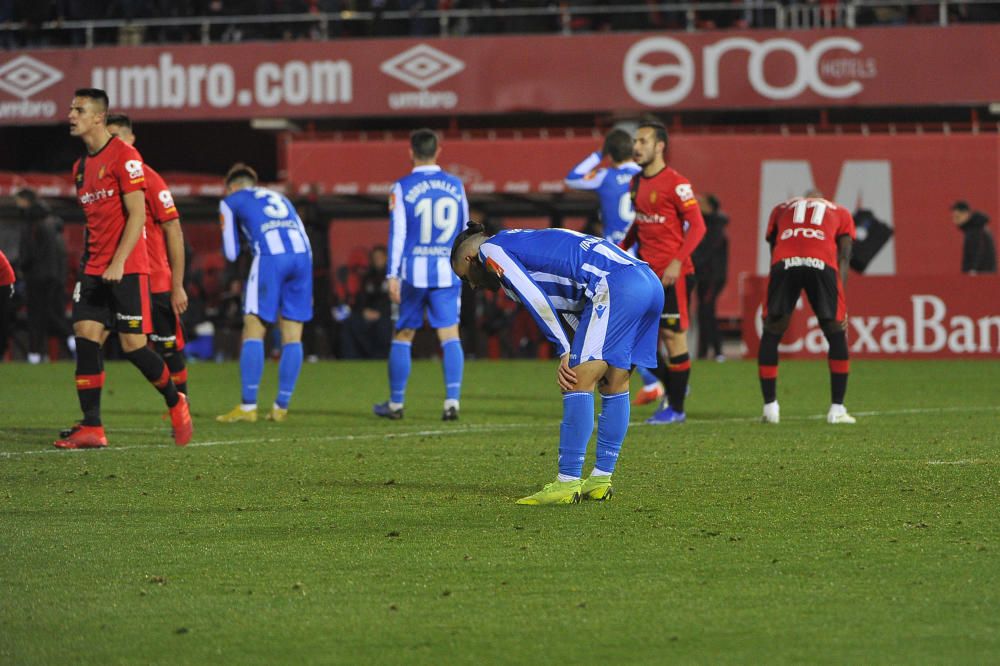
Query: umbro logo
[(422, 66), (24, 76)]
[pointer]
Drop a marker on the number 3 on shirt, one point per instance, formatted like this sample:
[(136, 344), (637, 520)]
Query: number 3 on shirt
[(437, 213), (275, 208)]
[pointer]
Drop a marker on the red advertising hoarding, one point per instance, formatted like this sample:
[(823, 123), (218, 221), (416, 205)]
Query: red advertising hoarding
[(908, 182), (915, 317), (894, 66)]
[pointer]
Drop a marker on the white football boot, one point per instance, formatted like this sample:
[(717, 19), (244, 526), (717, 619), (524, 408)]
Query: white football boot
[(838, 415), (772, 413)]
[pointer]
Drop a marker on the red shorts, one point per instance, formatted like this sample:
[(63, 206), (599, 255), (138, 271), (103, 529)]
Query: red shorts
[(123, 307)]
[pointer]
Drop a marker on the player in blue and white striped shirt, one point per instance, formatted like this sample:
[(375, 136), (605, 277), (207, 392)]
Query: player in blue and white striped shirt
[(612, 186), (279, 286), (611, 300), (428, 209)]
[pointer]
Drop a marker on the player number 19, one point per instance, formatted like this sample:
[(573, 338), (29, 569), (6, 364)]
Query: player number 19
[(799, 214), (437, 213)]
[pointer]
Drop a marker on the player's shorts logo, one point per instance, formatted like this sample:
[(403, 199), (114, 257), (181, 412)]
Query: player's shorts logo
[(24, 76)]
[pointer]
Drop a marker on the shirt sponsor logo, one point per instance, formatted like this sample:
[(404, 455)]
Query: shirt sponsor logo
[(804, 232), (98, 195), (650, 218), (422, 67)]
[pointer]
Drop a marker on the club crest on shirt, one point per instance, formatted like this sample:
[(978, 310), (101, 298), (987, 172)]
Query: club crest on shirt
[(100, 174), (652, 197), (392, 201)]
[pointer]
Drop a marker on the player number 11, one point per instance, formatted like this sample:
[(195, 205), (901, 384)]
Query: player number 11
[(799, 214)]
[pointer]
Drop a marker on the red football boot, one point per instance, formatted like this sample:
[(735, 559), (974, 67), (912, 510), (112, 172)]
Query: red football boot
[(648, 395), (180, 419), (83, 437)]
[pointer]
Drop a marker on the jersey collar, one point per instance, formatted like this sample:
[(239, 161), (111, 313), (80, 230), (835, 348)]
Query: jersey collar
[(426, 168)]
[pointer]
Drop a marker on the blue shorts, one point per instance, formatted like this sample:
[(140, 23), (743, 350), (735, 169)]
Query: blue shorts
[(620, 325), (280, 281), (441, 304)]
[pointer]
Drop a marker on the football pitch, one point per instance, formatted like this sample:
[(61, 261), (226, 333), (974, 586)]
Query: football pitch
[(336, 537)]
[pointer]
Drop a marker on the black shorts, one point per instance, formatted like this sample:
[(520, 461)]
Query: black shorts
[(822, 287), (167, 328), (123, 307), (675, 304)]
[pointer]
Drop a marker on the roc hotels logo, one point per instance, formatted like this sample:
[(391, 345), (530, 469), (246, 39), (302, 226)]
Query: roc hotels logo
[(421, 67), (23, 77)]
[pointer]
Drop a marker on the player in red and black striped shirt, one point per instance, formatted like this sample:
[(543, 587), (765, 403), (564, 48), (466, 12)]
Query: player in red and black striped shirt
[(810, 241), (113, 291)]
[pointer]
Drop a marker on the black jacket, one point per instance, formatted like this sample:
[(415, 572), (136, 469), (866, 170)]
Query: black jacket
[(43, 251), (711, 257), (979, 255)]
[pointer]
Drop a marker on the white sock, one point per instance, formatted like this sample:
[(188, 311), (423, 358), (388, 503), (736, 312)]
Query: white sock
[(599, 472), (562, 478), (651, 386), (451, 402), (248, 408), (394, 406)]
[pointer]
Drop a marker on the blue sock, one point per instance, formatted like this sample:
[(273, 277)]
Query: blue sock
[(454, 361), (251, 368), (647, 376), (612, 423), (399, 370), (574, 431), (288, 372)]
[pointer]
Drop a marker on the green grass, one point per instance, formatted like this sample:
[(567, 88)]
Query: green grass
[(340, 538)]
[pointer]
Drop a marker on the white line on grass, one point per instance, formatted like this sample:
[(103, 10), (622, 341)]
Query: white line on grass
[(472, 428)]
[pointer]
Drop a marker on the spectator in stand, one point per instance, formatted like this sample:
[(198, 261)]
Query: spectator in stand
[(369, 328), (979, 254), (42, 264), (711, 265)]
